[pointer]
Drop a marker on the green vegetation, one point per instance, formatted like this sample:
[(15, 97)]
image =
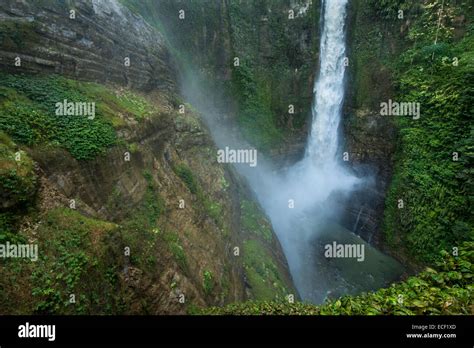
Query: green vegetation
[(14, 34), (207, 206), (207, 282), (263, 275), (151, 208), (174, 245), (435, 185), (153, 205), (18, 184), (85, 257), (389, 10), (214, 210), (28, 110), (253, 220), (272, 77), (255, 116), (27, 106), (17, 176), (131, 102), (447, 290), (70, 256), (139, 229), (186, 175)]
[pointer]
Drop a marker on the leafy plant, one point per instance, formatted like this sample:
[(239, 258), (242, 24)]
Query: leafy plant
[(432, 168), (28, 109), (445, 291), (174, 245), (207, 282), (186, 175)]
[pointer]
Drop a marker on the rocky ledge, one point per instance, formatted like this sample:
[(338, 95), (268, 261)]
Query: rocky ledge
[(91, 40)]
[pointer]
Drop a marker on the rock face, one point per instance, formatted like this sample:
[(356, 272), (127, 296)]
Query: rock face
[(370, 139), (284, 54), (93, 40), (110, 189), (276, 43), (201, 250)]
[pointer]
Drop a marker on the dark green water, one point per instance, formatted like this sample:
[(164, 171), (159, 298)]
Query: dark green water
[(336, 276)]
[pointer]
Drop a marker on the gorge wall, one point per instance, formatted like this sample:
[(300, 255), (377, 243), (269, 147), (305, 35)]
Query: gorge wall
[(91, 43), (277, 46), (274, 43), (396, 48), (144, 176), (132, 213), (370, 139)]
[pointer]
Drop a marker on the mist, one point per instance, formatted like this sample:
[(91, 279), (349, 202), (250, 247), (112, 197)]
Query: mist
[(305, 199)]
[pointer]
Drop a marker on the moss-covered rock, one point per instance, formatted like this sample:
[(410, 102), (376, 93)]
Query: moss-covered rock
[(17, 175), (276, 44), (141, 216), (408, 56)]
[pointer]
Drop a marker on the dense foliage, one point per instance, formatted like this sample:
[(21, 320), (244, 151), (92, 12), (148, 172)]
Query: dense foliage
[(28, 113), (86, 258), (433, 170), (391, 10), (27, 106), (447, 290), (18, 182), (70, 253)]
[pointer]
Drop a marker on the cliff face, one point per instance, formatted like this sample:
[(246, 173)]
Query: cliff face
[(278, 59), (195, 230), (151, 223), (370, 139), (91, 40), (259, 58), (277, 47), (409, 51)]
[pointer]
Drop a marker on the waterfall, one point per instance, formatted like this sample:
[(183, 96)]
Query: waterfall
[(302, 201), (318, 185), (319, 174), (312, 182), (329, 87)]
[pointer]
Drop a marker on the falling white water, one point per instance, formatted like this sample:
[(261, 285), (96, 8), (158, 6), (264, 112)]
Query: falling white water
[(319, 174), (312, 182), (329, 88), (299, 200), (303, 202)]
